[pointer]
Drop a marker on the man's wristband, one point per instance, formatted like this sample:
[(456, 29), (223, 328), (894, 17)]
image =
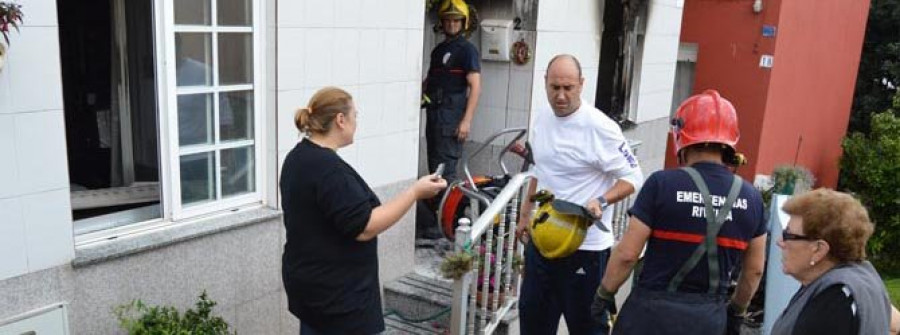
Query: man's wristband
[(738, 310), (603, 293), (603, 202)]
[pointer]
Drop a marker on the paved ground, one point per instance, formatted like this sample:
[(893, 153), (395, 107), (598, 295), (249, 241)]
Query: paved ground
[(428, 263)]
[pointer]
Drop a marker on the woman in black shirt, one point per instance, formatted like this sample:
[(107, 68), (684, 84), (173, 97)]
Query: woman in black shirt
[(332, 218)]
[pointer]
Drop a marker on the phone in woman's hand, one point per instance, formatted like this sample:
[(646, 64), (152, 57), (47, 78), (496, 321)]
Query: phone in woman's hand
[(439, 171)]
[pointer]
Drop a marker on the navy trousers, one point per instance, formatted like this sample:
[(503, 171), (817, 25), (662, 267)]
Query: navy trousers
[(441, 125), (565, 286), (661, 312)]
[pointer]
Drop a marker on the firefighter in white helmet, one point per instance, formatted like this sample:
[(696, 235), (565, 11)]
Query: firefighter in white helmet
[(581, 157)]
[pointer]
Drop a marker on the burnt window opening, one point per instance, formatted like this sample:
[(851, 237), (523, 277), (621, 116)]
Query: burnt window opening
[(110, 106), (620, 59)]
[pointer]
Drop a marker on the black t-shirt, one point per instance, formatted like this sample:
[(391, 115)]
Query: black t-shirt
[(832, 311), (330, 278), (671, 205)]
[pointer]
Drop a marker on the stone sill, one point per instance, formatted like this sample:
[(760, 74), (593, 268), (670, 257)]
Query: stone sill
[(169, 234)]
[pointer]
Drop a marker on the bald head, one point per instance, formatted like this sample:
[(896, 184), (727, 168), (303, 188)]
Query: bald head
[(565, 61), (563, 84)]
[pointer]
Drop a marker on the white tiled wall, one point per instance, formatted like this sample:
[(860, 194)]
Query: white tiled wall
[(36, 227), (660, 56), (505, 94), (370, 48)]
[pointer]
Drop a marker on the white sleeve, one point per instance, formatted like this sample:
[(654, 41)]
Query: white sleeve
[(614, 156)]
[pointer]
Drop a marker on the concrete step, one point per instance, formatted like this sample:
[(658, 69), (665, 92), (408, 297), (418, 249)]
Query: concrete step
[(415, 296), (421, 298), (394, 325)]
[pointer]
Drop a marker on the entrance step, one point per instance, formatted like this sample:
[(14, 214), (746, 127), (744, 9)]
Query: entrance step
[(426, 301)]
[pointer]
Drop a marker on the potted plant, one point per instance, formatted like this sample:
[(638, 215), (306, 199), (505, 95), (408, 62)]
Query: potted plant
[(792, 179), (787, 180), (138, 318), (457, 264), (10, 16)]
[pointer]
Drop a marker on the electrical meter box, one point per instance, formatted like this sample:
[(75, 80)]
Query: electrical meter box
[(496, 39)]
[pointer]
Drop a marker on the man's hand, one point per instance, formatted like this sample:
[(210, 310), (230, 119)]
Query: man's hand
[(604, 301), (462, 133), (595, 208), (522, 229)]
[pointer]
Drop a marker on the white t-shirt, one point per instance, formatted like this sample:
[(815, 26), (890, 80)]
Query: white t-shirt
[(578, 158)]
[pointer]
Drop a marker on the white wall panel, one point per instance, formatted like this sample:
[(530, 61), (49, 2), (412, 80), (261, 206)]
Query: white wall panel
[(48, 229), (12, 242)]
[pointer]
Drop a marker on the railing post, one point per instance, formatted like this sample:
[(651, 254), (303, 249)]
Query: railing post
[(462, 285)]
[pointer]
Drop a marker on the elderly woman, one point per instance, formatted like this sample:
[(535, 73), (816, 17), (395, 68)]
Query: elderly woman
[(824, 247), (332, 219)]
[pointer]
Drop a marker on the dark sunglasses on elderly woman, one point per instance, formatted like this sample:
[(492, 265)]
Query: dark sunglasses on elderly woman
[(788, 236)]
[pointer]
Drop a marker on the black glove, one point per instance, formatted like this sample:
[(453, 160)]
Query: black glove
[(736, 316), (604, 301)]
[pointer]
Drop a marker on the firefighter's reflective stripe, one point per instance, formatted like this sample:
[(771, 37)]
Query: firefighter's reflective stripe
[(724, 242)]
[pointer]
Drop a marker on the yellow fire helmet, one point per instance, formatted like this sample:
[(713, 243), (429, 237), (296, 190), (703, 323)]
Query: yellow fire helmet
[(558, 228), (455, 8)]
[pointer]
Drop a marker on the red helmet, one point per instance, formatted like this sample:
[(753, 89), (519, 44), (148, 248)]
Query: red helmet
[(705, 118)]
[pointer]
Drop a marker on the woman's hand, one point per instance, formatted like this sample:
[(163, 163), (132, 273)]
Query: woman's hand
[(428, 186)]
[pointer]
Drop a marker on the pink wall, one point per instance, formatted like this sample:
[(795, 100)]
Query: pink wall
[(811, 88), (807, 93), (730, 43)]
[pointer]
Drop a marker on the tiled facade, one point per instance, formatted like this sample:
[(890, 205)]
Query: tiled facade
[(34, 202), (372, 48)]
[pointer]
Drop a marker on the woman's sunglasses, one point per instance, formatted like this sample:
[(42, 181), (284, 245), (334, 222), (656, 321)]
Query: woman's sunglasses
[(788, 236)]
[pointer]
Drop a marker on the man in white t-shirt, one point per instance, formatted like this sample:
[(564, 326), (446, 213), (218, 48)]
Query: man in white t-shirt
[(581, 156)]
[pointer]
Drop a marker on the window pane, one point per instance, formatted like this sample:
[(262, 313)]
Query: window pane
[(236, 115), (193, 52), (237, 171), (195, 119), (235, 58), (235, 12), (197, 178), (192, 12)]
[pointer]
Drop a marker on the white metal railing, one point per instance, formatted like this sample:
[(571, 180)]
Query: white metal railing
[(494, 279)]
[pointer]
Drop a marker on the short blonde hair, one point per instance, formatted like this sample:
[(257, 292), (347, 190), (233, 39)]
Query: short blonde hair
[(321, 110), (835, 217)]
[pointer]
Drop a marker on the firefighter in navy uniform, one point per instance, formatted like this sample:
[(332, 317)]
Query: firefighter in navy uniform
[(451, 89), (700, 223), (450, 95)]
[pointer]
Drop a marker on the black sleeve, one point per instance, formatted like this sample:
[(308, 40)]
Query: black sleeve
[(832, 311), (472, 62), (345, 202)]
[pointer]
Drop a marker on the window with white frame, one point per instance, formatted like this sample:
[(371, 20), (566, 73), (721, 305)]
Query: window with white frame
[(162, 111), (213, 138)]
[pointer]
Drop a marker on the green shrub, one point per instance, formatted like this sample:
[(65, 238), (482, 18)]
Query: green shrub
[(893, 288), (138, 318), (870, 169)]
